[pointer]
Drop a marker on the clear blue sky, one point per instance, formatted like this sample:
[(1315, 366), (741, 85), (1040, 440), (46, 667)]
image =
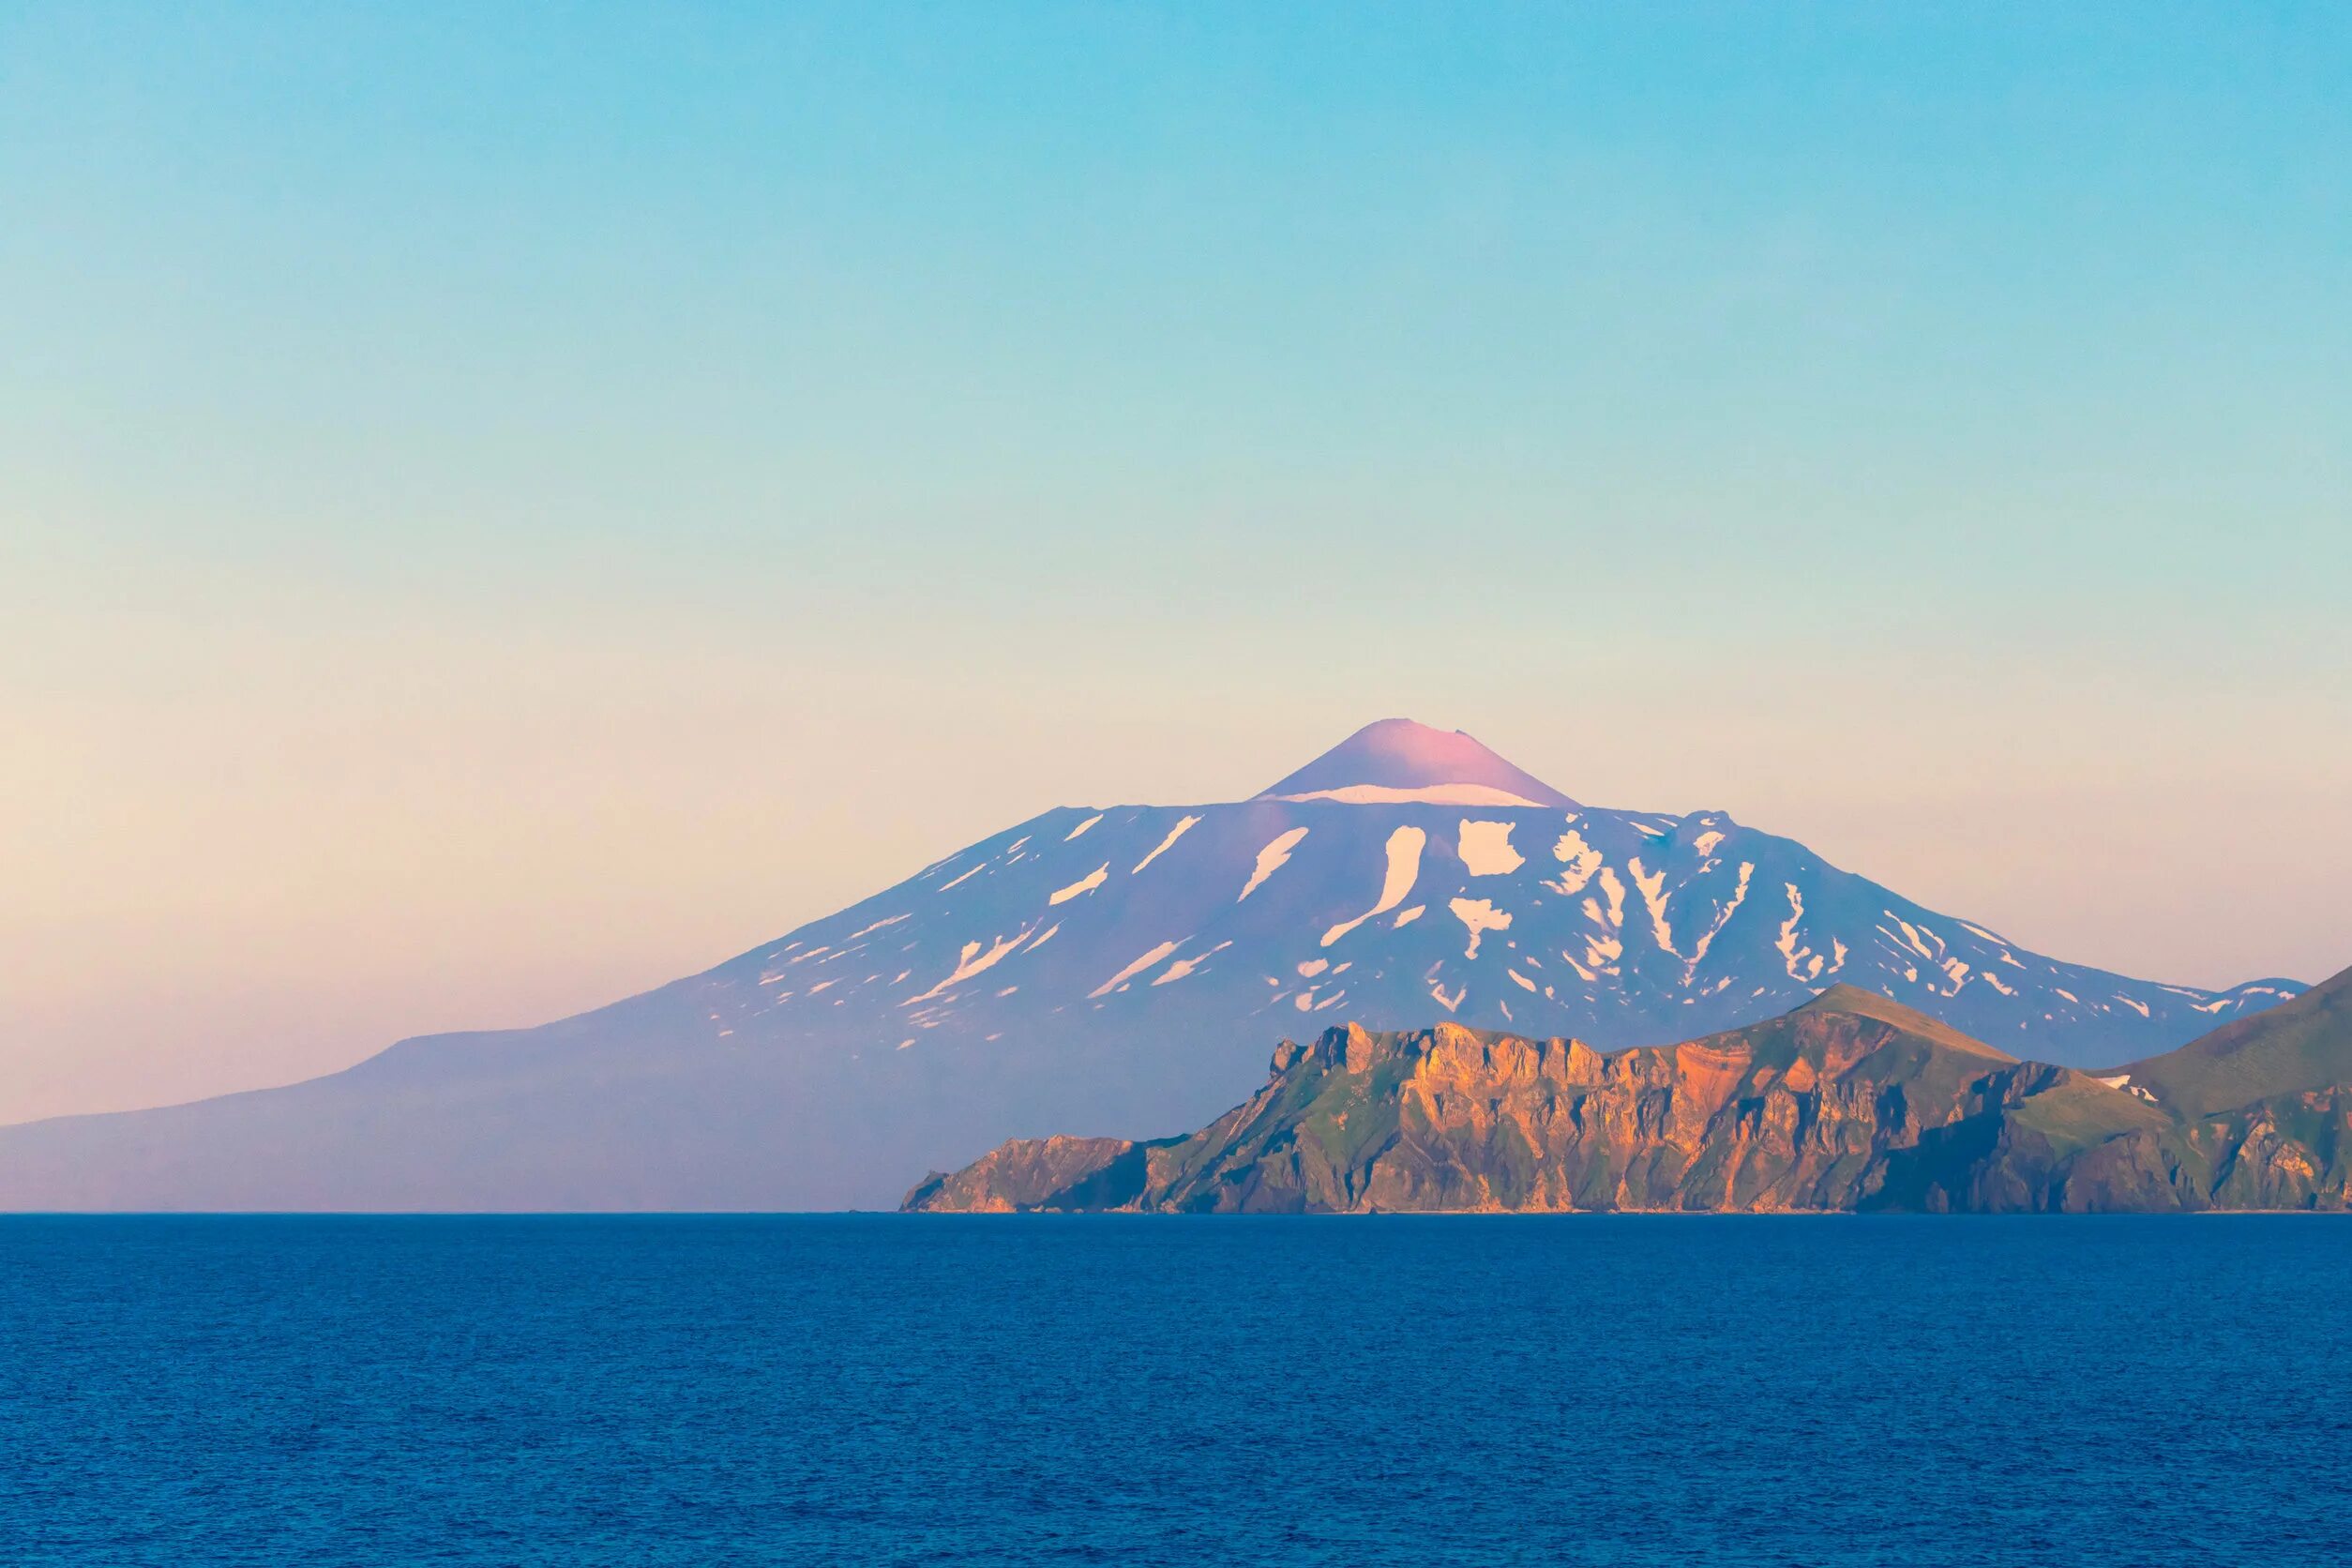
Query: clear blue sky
[(501, 505)]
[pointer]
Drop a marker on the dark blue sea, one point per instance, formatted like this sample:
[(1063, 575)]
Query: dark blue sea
[(939, 1390)]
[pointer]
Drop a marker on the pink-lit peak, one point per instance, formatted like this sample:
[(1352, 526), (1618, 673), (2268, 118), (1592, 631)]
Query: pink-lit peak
[(1398, 754)]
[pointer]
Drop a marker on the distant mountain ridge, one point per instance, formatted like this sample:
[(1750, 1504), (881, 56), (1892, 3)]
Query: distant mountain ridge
[(1116, 969), (2295, 1045), (1851, 1102)]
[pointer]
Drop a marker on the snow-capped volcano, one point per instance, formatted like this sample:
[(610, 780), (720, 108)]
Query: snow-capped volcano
[(1121, 971), (1396, 760)]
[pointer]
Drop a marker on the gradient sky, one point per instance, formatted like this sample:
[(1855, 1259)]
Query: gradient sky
[(501, 507)]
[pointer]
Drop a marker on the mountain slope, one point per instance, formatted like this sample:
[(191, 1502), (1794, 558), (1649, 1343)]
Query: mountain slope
[(1850, 1102), (2268, 1100), (2302, 1043), (1397, 759), (1113, 969)]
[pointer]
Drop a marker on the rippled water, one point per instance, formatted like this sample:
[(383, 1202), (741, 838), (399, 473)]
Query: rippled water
[(944, 1390)]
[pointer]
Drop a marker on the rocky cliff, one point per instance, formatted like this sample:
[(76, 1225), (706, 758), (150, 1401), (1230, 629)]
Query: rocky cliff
[(1851, 1102)]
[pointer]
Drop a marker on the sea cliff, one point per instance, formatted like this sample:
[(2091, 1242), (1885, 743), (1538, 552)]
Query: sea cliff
[(1849, 1102)]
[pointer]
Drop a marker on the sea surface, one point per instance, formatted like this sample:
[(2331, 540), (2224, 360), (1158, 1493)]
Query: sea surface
[(955, 1390)]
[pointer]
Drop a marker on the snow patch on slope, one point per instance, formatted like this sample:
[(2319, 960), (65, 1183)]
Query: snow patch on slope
[(1480, 916), (1182, 967), (1428, 794), (1271, 859), (1173, 834), (1404, 867), (1485, 849), (1086, 883), (1155, 956), (972, 962), (1653, 896), (1579, 860), (1794, 955), (1722, 918)]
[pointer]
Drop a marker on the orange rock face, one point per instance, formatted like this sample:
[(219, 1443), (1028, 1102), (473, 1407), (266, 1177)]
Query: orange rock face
[(1851, 1102)]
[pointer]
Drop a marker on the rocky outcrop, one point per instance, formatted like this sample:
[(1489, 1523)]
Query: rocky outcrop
[(1851, 1102), (1036, 1172), (2291, 1151)]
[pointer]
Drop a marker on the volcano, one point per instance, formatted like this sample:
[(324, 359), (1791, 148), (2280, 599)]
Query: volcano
[(1120, 971)]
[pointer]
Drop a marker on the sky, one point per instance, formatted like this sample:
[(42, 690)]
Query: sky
[(502, 506)]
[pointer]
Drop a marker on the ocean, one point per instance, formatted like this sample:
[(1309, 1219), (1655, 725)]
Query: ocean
[(656, 1390)]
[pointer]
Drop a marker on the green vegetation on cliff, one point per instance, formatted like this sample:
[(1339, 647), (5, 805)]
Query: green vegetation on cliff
[(1851, 1102), (2299, 1045)]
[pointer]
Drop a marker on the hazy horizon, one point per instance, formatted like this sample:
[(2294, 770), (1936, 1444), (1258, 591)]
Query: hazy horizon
[(501, 511)]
